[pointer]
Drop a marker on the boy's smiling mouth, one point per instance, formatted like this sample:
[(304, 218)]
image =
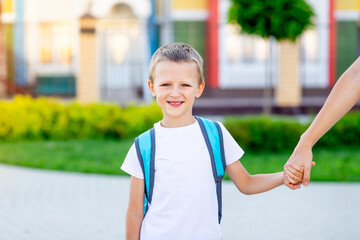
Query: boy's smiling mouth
[(175, 103)]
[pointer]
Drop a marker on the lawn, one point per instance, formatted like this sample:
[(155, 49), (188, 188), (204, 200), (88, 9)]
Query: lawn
[(90, 156), (106, 156)]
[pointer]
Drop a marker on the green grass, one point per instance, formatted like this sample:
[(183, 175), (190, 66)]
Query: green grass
[(90, 156), (331, 165), (106, 157)]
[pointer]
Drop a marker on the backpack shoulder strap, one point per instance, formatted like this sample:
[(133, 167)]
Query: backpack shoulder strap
[(215, 143), (145, 150)]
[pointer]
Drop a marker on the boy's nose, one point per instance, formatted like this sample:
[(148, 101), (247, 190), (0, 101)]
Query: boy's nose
[(175, 92)]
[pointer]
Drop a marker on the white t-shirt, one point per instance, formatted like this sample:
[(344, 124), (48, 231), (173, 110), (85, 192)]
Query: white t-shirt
[(184, 204)]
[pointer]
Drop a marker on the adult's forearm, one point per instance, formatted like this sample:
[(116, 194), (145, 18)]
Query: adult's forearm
[(341, 99)]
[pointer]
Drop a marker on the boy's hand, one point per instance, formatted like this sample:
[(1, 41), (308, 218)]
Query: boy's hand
[(293, 175)]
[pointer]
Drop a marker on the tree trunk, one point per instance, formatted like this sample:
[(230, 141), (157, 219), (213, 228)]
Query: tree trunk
[(267, 95), (288, 90)]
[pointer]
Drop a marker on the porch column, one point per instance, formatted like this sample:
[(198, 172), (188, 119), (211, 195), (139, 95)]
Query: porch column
[(212, 52), (288, 90), (87, 85)]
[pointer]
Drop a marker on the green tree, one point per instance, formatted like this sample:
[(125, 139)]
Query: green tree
[(275, 19), (281, 19)]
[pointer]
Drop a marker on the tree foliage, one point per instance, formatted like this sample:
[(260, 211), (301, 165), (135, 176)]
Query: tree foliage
[(282, 19)]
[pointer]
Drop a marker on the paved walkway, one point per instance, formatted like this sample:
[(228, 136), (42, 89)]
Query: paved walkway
[(44, 205)]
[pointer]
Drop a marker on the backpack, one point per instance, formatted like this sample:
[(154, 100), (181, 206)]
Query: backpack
[(145, 148)]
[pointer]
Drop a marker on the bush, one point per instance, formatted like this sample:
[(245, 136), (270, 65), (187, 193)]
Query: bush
[(345, 133), (282, 134), (43, 118), (25, 118), (265, 133)]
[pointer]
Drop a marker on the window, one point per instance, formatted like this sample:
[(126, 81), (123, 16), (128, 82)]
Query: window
[(309, 46), (46, 42), (119, 45), (55, 43), (243, 47)]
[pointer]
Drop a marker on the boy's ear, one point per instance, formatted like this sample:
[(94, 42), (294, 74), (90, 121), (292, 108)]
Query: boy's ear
[(200, 89), (151, 88)]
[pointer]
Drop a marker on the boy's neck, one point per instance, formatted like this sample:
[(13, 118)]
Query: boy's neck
[(174, 123)]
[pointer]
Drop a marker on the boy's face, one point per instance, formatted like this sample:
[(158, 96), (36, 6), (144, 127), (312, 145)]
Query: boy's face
[(175, 87)]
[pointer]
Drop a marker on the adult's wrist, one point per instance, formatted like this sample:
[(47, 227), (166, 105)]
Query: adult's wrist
[(306, 142)]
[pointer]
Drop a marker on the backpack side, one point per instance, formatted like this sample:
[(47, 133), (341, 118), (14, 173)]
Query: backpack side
[(145, 150)]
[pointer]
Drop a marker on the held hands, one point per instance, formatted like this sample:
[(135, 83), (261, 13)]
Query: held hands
[(298, 167), (293, 175)]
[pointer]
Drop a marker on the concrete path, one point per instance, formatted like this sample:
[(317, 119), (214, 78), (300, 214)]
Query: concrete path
[(50, 205)]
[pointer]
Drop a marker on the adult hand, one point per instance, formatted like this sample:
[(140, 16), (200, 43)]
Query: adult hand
[(302, 157), (293, 175)]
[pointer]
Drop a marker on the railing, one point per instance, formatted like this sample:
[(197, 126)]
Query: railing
[(8, 80)]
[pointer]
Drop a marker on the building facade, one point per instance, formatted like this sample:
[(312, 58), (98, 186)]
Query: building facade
[(41, 46)]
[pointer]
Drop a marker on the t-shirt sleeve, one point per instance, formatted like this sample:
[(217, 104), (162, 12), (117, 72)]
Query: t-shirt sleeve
[(131, 164), (233, 151)]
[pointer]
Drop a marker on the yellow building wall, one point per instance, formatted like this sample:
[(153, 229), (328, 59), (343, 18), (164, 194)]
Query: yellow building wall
[(159, 7), (347, 4), (7, 6), (190, 4)]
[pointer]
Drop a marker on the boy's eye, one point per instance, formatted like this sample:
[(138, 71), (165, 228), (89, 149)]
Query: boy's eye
[(186, 85), (165, 85)]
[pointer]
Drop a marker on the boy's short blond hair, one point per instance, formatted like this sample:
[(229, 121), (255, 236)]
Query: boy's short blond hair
[(176, 52)]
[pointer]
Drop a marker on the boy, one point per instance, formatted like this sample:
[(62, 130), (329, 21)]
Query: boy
[(184, 202)]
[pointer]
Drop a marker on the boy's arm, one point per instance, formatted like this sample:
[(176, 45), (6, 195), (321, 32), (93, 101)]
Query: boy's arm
[(135, 211), (252, 184), (342, 98)]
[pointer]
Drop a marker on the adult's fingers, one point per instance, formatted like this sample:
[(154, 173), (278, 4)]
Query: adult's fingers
[(293, 175), (295, 169), (307, 170), (294, 166)]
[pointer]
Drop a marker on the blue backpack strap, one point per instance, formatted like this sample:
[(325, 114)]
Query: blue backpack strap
[(145, 150), (215, 143)]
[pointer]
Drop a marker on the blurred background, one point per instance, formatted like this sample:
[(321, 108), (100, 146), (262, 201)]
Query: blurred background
[(95, 51)]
